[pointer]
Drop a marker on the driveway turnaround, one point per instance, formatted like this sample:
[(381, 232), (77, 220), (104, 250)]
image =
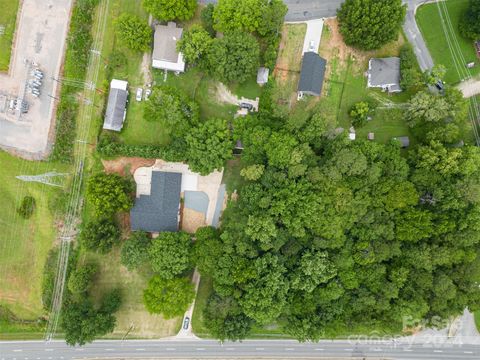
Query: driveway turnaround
[(251, 349), (39, 44)]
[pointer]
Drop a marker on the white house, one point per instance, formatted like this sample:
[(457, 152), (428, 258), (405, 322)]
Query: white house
[(165, 55)]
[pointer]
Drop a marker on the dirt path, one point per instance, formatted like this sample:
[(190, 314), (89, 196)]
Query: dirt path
[(223, 94), (470, 87), (122, 164)]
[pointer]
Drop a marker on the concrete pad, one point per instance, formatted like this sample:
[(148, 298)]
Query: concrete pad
[(39, 39), (313, 35)]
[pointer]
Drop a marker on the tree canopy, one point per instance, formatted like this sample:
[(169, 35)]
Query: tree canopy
[(255, 16), (135, 250), (100, 235), (134, 32), (209, 146), (369, 24), (167, 10), (194, 44), (168, 297), (331, 231), (469, 24), (170, 254), (109, 193), (233, 58)]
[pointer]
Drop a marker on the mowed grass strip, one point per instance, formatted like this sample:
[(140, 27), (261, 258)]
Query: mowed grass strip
[(8, 18), (24, 244), (430, 24)]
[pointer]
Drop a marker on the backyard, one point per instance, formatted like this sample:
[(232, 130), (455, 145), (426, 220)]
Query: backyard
[(8, 18), (24, 244), (429, 20)]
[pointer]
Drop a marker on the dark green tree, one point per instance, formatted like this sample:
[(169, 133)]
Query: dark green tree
[(27, 207), (109, 193), (224, 319), (370, 24), (194, 44), (134, 32), (170, 298), (209, 146), (81, 278), (135, 250), (166, 10), (469, 24), (233, 58), (207, 19), (170, 254), (100, 235)]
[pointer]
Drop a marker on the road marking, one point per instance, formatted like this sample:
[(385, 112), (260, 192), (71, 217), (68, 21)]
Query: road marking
[(140, 349), (259, 349), (48, 349), (437, 351), (109, 349), (377, 350), (170, 349), (318, 349), (79, 349), (230, 349), (407, 350), (289, 349), (17, 350), (468, 352), (348, 349), (200, 349)]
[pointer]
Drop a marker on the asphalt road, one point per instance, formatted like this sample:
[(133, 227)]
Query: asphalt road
[(205, 349)]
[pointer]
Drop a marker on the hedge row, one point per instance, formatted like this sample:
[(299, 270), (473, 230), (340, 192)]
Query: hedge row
[(79, 42), (110, 148)]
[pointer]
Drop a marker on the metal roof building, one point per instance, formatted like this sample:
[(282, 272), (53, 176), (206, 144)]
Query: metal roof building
[(312, 74), (262, 75), (384, 73), (404, 141), (165, 55), (116, 106), (158, 211)]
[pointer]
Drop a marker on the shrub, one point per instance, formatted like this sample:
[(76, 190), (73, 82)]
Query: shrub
[(81, 279), (359, 113), (135, 250), (410, 74), (27, 207)]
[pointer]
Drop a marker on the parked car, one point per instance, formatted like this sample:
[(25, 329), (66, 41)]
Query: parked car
[(439, 85), (148, 92), (138, 97), (311, 47), (186, 322), (247, 106)]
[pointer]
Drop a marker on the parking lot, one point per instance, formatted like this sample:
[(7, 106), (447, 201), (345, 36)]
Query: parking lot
[(27, 99)]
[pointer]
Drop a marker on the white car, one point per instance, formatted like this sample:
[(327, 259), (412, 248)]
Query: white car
[(148, 92), (138, 97)]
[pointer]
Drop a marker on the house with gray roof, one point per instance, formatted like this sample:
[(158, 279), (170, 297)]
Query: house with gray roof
[(384, 73), (116, 106), (311, 75), (165, 55), (158, 211)]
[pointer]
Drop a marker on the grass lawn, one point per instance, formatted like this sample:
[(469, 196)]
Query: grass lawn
[(24, 244), (201, 88), (346, 85), (8, 18), (249, 89), (429, 21), (132, 316), (204, 290)]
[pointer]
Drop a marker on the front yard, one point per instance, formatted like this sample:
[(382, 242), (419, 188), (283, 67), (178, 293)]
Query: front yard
[(430, 23)]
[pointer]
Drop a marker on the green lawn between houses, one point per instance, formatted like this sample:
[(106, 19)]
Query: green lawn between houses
[(429, 22), (8, 18)]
